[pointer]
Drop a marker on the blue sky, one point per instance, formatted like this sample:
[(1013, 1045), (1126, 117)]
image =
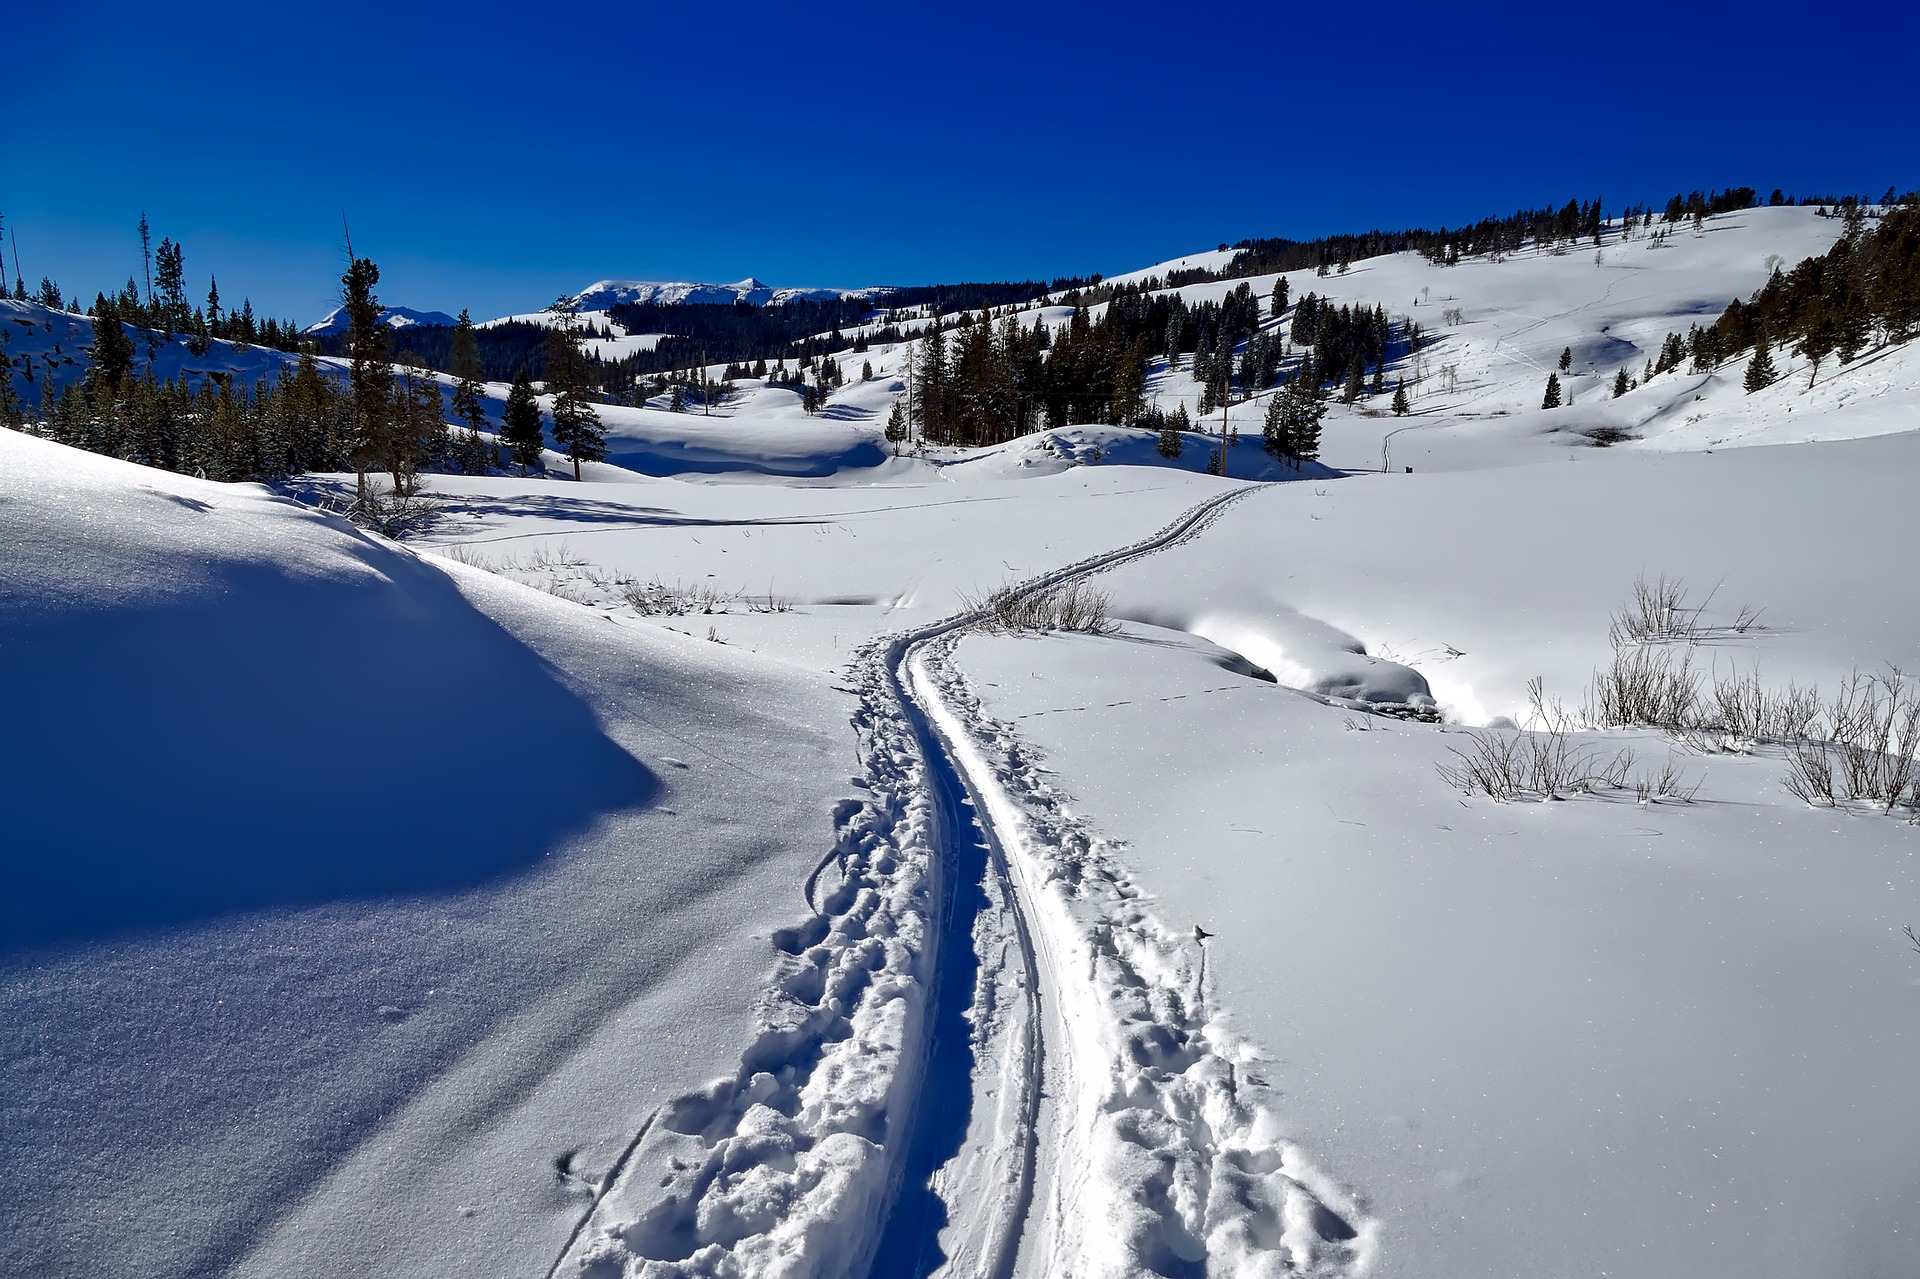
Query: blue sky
[(493, 156)]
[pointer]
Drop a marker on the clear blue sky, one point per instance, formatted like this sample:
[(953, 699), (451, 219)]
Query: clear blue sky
[(493, 156)]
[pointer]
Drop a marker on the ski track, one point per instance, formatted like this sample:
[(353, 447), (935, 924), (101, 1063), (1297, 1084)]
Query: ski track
[(1160, 1152)]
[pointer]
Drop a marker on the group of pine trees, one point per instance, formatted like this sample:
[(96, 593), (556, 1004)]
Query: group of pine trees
[(1863, 291), (388, 415)]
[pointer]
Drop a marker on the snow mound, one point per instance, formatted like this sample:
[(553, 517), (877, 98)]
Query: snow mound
[(1058, 449), (167, 619)]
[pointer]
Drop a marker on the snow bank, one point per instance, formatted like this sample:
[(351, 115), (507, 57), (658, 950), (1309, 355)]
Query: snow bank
[(358, 913)]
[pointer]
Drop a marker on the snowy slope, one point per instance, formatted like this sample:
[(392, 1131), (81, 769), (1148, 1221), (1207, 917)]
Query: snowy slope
[(1152, 953), (617, 347), (359, 911)]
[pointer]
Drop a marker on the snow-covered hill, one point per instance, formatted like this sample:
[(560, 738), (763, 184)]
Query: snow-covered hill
[(665, 875)]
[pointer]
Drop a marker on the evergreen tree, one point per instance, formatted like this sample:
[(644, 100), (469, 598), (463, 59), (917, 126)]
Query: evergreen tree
[(467, 390), (112, 348), (1760, 371), (520, 423), (896, 428), (1279, 304), (1356, 378), (1170, 442), (170, 287), (370, 437), (1291, 431), (1566, 359), (1401, 406), (576, 426), (419, 425), (146, 253), (1817, 340), (1551, 400)]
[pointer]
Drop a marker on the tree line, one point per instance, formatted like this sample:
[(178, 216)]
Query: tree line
[(381, 417)]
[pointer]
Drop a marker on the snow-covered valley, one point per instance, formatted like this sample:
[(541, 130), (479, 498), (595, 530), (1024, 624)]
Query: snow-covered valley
[(679, 872)]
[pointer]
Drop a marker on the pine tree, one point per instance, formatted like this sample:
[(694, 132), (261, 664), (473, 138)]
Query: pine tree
[(1760, 371), (1551, 400), (1275, 435), (467, 391), (370, 435), (1356, 378), (146, 253), (1279, 304), (1818, 339), (1566, 359), (520, 423), (1291, 431), (1620, 386), (896, 428), (112, 349), (419, 425), (1170, 442), (1401, 407), (576, 426)]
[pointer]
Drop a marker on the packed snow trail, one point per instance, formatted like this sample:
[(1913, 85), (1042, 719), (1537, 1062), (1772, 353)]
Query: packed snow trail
[(983, 1056)]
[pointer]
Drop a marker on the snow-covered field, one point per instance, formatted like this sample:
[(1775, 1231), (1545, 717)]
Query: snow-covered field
[(664, 875)]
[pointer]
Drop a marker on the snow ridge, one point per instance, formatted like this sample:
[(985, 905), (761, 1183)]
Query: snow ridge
[(604, 294)]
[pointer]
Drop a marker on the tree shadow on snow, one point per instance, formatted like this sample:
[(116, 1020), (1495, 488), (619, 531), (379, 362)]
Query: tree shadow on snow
[(270, 740)]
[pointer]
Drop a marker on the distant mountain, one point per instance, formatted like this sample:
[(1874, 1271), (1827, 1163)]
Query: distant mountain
[(395, 317), (611, 293)]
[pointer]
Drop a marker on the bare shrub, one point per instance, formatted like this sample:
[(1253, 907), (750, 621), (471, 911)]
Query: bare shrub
[(463, 553), (1659, 612), (1810, 773), (768, 603), (1667, 783), (1644, 686), (1745, 708), (1863, 745), (1547, 764), (378, 509), (1656, 613), (657, 599), (1874, 721), (1067, 606)]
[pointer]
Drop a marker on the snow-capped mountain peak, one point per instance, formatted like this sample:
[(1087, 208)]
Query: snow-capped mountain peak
[(394, 317), (604, 294)]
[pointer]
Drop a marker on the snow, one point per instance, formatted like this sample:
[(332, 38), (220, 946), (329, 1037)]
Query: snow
[(618, 347), (1165, 951), (605, 294), (363, 890), (395, 317)]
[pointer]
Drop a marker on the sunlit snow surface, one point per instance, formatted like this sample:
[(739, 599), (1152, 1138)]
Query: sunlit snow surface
[(368, 903)]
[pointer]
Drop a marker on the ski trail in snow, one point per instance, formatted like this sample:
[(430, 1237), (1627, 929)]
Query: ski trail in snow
[(1071, 1110), (1158, 1155)]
